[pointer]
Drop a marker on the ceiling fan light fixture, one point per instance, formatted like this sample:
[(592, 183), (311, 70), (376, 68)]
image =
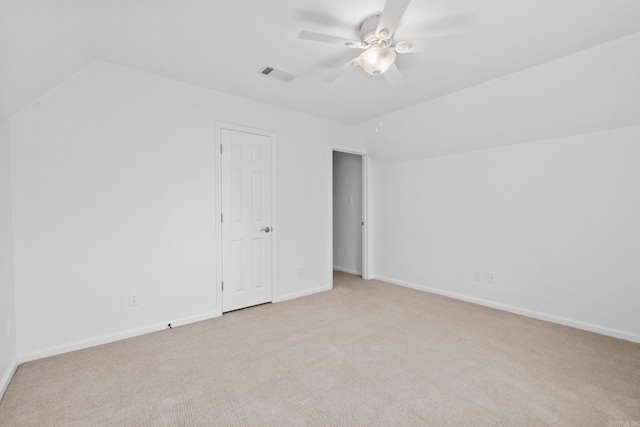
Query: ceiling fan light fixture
[(377, 59)]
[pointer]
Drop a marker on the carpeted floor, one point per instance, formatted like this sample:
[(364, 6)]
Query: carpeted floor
[(366, 353)]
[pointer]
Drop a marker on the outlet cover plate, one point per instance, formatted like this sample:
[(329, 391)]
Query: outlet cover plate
[(134, 299)]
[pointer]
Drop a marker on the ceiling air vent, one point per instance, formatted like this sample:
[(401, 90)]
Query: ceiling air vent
[(277, 74)]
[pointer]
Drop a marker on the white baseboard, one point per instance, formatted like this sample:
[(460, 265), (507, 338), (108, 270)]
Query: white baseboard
[(302, 293), (603, 330), (347, 270), (6, 377), (105, 339)]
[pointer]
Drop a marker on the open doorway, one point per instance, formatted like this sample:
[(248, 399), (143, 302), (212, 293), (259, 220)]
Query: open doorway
[(349, 212)]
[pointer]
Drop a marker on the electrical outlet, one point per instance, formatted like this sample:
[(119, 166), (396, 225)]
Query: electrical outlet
[(491, 277), (134, 299), (477, 275)]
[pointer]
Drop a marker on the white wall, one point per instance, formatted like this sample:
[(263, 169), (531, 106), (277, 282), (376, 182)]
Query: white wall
[(556, 220), (114, 191), (41, 44), (347, 212), (7, 310)]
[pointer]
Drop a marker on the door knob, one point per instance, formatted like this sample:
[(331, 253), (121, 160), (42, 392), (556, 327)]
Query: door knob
[(266, 229)]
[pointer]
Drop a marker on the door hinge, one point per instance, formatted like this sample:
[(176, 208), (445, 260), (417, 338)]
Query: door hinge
[(363, 223), (223, 286), (221, 218), (220, 148)]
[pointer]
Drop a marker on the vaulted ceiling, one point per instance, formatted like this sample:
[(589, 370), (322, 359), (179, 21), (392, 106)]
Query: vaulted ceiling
[(223, 44)]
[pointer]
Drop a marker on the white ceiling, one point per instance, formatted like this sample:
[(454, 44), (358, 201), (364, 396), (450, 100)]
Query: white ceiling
[(223, 44)]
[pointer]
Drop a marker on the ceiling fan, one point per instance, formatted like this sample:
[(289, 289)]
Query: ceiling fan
[(376, 39)]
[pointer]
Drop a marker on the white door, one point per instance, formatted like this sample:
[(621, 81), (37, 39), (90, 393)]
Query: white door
[(246, 219)]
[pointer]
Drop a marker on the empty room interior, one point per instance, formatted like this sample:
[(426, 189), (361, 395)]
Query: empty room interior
[(270, 213)]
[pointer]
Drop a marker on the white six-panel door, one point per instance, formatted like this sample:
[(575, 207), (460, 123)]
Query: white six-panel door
[(246, 219)]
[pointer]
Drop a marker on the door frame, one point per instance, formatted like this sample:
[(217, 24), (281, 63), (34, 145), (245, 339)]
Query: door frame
[(218, 188), (366, 241)]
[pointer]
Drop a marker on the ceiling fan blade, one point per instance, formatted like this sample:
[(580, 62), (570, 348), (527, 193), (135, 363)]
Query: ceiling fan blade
[(341, 71), (327, 38), (391, 16), (422, 45), (394, 77)]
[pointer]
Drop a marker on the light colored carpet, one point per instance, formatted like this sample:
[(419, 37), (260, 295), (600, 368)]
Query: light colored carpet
[(366, 353)]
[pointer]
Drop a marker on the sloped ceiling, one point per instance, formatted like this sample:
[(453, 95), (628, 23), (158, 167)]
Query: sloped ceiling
[(223, 44), (42, 43), (592, 90)]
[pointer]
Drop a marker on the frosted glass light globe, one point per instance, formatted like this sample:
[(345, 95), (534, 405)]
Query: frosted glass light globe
[(376, 59)]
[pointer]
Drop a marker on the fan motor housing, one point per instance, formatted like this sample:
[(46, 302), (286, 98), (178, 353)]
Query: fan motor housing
[(368, 29)]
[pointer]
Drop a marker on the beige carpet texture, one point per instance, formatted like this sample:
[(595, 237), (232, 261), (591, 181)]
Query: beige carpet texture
[(366, 353)]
